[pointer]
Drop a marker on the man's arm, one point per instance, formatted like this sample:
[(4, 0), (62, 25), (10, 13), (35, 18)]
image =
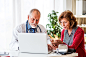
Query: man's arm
[(14, 42)]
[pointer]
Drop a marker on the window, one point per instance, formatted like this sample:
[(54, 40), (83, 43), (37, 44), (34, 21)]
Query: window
[(14, 12), (5, 23)]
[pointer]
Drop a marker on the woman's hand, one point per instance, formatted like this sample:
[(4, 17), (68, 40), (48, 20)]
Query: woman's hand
[(58, 41), (50, 48), (55, 43)]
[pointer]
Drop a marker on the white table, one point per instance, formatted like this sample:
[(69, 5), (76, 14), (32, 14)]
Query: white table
[(46, 55), (17, 53)]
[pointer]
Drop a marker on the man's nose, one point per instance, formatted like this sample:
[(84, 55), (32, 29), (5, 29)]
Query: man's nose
[(35, 21)]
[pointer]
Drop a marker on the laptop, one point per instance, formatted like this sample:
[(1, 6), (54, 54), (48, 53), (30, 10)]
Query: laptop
[(35, 43)]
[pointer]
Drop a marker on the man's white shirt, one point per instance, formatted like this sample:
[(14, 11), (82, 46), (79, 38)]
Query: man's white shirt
[(22, 29)]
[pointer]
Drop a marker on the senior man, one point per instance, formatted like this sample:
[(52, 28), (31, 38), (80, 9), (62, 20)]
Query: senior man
[(31, 26)]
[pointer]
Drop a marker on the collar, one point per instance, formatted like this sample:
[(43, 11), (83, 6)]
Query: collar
[(29, 26), (73, 30)]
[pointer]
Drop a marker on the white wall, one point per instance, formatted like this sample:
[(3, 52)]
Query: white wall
[(44, 6), (59, 6), (84, 7), (69, 5), (62, 5), (79, 7)]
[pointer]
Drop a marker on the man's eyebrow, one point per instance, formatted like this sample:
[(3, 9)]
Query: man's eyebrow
[(37, 19)]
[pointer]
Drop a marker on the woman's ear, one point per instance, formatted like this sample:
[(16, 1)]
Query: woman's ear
[(72, 23)]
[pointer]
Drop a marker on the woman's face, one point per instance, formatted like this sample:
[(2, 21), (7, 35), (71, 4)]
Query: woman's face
[(65, 23)]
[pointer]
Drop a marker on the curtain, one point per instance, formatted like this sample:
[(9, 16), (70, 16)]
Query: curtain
[(15, 12), (5, 23)]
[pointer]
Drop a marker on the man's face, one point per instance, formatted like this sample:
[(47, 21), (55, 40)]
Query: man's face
[(34, 19)]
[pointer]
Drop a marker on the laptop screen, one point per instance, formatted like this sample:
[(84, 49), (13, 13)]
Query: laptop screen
[(33, 42)]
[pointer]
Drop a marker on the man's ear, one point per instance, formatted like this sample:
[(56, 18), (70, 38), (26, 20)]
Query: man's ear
[(28, 17)]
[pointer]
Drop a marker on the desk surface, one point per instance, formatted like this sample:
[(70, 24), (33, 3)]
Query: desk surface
[(47, 55), (17, 53)]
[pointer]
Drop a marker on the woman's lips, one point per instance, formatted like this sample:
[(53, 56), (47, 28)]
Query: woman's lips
[(64, 27)]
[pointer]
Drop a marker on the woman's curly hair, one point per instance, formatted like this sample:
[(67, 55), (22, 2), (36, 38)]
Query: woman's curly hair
[(70, 17)]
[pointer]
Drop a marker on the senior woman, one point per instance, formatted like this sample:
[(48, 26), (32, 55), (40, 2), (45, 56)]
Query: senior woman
[(72, 35)]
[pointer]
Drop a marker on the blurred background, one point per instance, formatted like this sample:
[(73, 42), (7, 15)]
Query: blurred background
[(15, 12)]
